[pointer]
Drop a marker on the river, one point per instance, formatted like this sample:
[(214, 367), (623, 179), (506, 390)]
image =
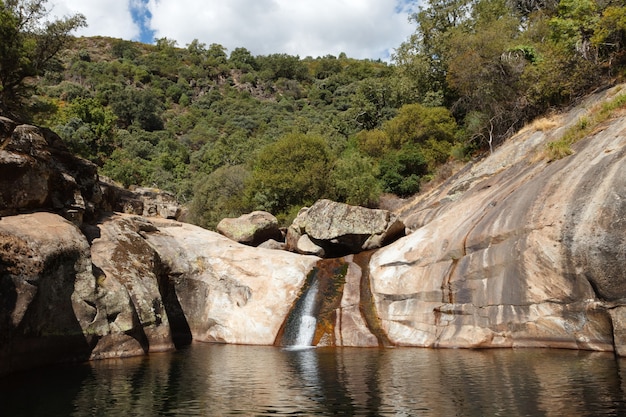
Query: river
[(228, 380)]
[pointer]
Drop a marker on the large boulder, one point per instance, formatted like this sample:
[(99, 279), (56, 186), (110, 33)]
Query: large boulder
[(48, 300), (229, 292), (341, 229), (129, 275), (251, 229), (38, 172)]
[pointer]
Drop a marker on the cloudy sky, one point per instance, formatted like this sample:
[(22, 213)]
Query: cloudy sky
[(360, 28)]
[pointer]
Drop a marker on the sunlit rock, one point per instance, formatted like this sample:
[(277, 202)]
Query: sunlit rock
[(251, 229), (229, 292), (342, 229), (514, 252)]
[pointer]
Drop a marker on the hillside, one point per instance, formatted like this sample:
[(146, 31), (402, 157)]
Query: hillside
[(228, 132)]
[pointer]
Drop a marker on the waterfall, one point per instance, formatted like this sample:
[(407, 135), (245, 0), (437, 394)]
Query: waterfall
[(308, 322), (302, 322)]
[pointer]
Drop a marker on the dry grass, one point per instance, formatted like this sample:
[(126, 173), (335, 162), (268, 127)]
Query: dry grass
[(585, 126)]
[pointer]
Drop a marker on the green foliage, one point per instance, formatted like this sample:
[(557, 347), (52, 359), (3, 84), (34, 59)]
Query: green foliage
[(28, 46), (354, 180), (415, 124), (499, 63), (585, 125), (401, 171), (218, 195), (88, 128), (293, 171), (231, 133)]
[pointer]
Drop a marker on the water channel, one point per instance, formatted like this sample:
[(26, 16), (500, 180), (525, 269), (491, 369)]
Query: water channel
[(229, 380)]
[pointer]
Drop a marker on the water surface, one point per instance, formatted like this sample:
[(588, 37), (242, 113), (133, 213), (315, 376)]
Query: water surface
[(227, 380)]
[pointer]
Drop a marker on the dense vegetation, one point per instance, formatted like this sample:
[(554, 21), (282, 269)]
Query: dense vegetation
[(229, 132)]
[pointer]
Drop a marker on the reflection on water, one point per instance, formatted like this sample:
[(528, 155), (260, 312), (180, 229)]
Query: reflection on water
[(223, 380)]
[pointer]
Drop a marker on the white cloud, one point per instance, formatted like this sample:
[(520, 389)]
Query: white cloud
[(360, 28), (104, 17)]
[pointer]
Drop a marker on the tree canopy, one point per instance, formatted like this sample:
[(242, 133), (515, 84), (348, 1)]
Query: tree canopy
[(28, 45)]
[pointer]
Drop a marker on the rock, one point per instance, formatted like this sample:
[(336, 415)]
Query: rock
[(296, 230), (146, 202), (343, 229), (251, 229), (272, 244), (527, 253), (38, 172), (48, 301), (129, 287), (229, 293), (351, 327), (306, 247)]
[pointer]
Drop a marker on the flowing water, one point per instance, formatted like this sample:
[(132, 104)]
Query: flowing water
[(227, 380), (300, 328)]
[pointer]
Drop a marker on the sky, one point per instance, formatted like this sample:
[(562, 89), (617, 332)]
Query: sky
[(360, 28)]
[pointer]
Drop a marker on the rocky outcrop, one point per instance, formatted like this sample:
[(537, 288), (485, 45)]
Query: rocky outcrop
[(229, 293), (47, 292), (515, 251), (341, 229), (37, 172), (251, 229), (130, 286), (147, 202)]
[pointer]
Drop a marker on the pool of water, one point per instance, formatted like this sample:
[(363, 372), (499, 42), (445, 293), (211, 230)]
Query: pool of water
[(227, 380)]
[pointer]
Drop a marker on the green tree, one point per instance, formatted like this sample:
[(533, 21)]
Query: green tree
[(218, 195), (415, 124), (354, 180), (28, 44), (88, 128), (293, 171), (401, 171)]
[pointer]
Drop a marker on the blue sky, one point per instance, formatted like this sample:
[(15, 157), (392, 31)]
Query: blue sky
[(141, 16), (360, 28)]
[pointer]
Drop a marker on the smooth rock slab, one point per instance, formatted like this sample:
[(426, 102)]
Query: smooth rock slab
[(229, 292)]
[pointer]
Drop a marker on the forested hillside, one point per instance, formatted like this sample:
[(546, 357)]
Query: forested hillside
[(229, 132)]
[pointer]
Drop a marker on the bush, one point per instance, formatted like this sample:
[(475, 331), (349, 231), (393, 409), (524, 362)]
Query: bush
[(401, 171), (293, 171)]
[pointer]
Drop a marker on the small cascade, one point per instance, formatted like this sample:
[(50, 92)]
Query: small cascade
[(307, 323), (302, 322), (313, 314)]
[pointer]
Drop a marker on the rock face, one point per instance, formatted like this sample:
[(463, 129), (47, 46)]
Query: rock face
[(47, 292), (37, 171), (531, 255), (229, 293), (142, 286), (339, 228), (251, 229)]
